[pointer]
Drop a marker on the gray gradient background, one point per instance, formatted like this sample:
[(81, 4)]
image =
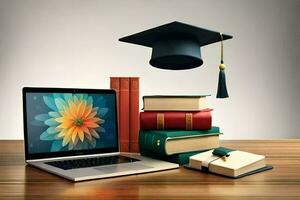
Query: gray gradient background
[(75, 44)]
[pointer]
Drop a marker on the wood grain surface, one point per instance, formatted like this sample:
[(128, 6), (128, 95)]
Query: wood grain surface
[(18, 181)]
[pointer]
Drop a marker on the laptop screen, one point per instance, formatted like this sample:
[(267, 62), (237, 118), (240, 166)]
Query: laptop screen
[(67, 122)]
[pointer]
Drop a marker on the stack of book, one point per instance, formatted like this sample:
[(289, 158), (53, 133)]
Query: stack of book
[(173, 128)]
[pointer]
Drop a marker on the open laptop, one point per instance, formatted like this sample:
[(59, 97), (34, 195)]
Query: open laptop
[(73, 133)]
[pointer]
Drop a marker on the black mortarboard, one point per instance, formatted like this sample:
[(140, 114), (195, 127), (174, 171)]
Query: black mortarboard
[(176, 46)]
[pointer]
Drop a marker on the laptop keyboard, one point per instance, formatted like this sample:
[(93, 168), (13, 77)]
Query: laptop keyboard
[(90, 162)]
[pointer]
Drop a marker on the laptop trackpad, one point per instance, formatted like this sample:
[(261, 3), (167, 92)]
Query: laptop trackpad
[(122, 167)]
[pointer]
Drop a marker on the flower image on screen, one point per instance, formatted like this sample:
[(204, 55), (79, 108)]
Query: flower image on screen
[(67, 121)]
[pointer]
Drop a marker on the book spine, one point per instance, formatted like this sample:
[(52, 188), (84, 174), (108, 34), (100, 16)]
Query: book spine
[(115, 85), (176, 120), (134, 119), (152, 141), (124, 114)]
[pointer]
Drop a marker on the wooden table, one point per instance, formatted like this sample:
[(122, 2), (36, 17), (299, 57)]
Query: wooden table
[(18, 181)]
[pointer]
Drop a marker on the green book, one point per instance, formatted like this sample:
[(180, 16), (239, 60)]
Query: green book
[(169, 142), (180, 158)]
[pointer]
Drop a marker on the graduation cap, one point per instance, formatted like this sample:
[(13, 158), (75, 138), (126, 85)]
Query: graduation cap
[(176, 46)]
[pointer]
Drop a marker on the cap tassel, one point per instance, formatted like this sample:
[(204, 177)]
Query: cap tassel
[(222, 89)]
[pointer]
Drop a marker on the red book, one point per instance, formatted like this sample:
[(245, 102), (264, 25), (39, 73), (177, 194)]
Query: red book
[(124, 114), (199, 120), (115, 85), (121, 86), (134, 124)]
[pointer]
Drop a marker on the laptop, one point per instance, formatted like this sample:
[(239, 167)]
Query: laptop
[(73, 133)]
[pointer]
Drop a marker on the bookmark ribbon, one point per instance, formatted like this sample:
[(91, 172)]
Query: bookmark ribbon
[(217, 153), (222, 151), (205, 163)]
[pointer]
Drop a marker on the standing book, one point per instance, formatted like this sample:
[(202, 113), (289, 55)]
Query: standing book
[(115, 85), (127, 90), (134, 118), (124, 114), (121, 86)]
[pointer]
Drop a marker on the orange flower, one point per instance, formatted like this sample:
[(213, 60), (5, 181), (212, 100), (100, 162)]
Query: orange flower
[(78, 121)]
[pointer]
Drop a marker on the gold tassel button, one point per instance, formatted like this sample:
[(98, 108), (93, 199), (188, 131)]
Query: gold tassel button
[(222, 66), (224, 158), (158, 142)]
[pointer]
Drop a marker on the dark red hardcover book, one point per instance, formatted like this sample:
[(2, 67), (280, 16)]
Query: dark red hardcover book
[(134, 119), (115, 85), (199, 120), (124, 114)]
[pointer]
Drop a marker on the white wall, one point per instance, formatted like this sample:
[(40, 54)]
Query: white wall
[(75, 44)]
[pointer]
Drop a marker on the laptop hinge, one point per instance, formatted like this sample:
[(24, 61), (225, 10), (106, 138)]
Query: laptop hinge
[(71, 157)]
